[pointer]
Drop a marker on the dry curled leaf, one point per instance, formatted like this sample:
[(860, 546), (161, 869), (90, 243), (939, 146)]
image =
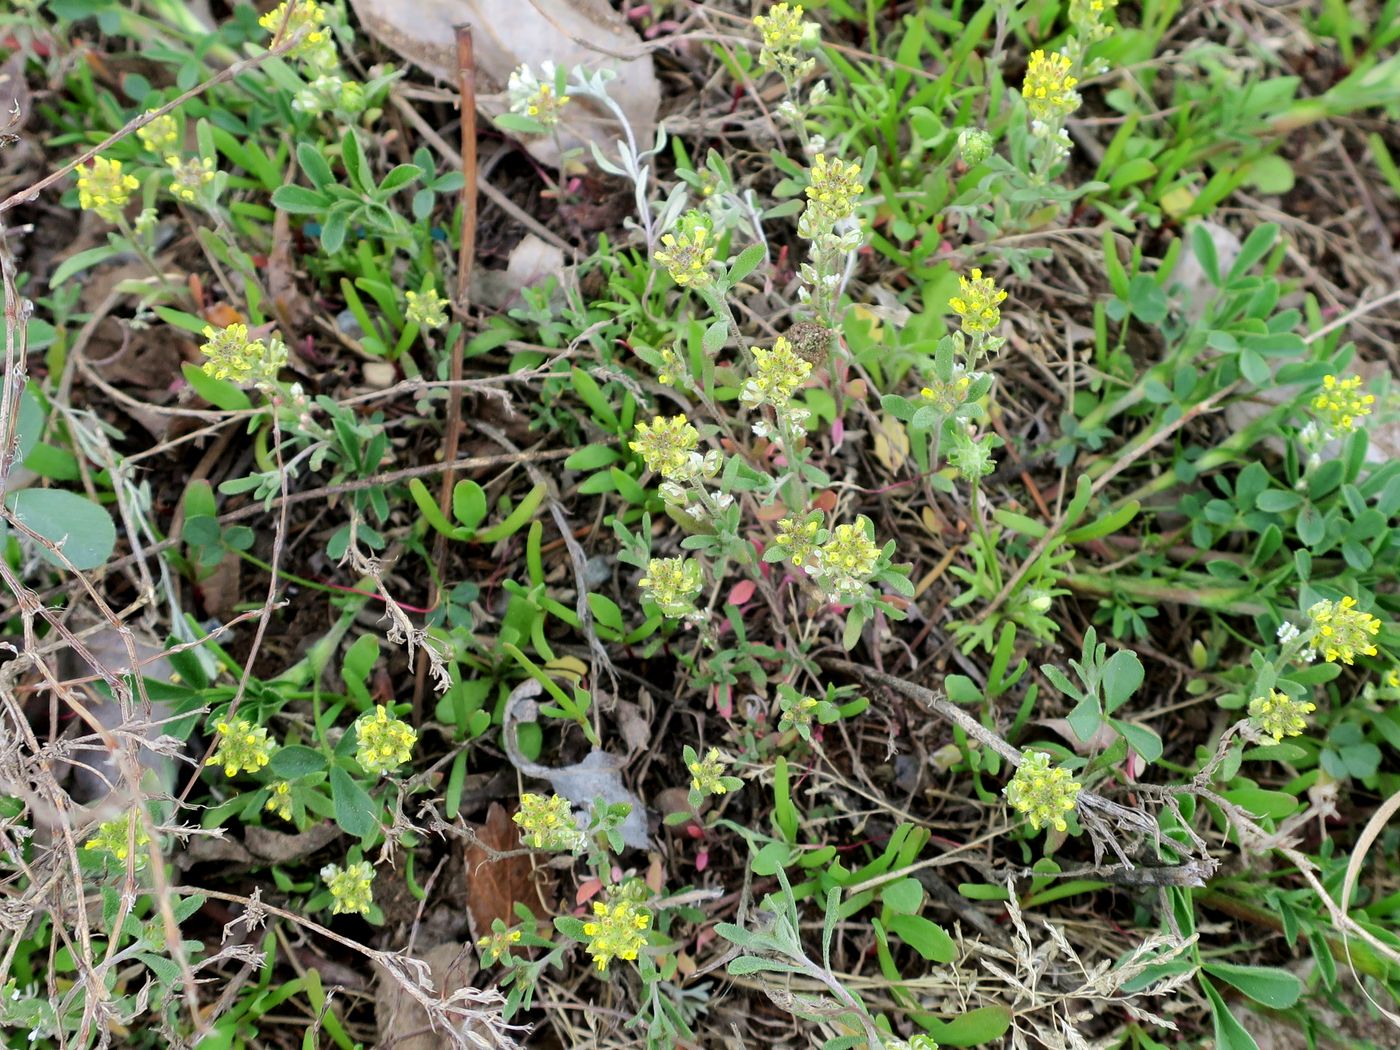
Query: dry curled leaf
[(511, 33), (599, 775)]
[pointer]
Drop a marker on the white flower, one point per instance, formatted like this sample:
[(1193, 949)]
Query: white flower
[(1287, 632)]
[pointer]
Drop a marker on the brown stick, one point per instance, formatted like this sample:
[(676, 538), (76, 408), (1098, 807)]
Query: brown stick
[(466, 255)]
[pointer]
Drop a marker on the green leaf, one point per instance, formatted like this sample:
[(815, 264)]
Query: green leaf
[(1269, 985), (903, 897), (354, 810), (179, 319), (1122, 675), (926, 937), (428, 507), (592, 457), (971, 1029), (400, 176), (296, 761), (1144, 741), (317, 169), (298, 200), (1276, 501), (468, 503), (1229, 1033), (82, 528), (745, 263), (218, 392), (354, 160), (76, 264), (1262, 802), (524, 510)]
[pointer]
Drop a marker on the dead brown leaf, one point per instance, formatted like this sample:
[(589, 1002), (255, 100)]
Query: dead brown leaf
[(494, 886)]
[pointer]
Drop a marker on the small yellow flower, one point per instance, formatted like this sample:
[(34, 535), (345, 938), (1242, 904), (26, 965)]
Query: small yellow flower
[(162, 136), (785, 37), (242, 747), (1044, 795), (103, 189), (707, 774), (426, 309), (1341, 404), (496, 946), (672, 584), (117, 835), (849, 556), (305, 14), (833, 188), (350, 887), (1341, 632), (616, 931), (1392, 678), (547, 823), (280, 801), (383, 743), (232, 355), (778, 374), (978, 307), (1279, 715), (665, 445), (798, 539), (191, 177), (1049, 88), (688, 252)]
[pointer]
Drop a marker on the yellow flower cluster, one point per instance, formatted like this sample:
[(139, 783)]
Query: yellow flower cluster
[(350, 887), (1087, 16), (242, 747), (785, 37), (672, 369), (103, 189), (547, 823), (849, 556), (232, 355), (1342, 404), (545, 105), (162, 135), (1341, 632), (665, 445), (688, 252), (1279, 715), (116, 835), (833, 188), (280, 802), (496, 946), (426, 309), (798, 713), (778, 374), (707, 774), (978, 307), (947, 396), (305, 14), (1043, 794), (191, 177), (798, 539), (1048, 88), (616, 931), (383, 743), (672, 584)]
